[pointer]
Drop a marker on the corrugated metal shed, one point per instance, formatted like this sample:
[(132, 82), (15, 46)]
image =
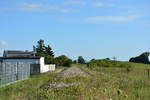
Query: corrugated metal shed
[(13, 69)]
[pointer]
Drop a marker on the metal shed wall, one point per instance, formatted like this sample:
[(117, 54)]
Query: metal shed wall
[(13, 71)]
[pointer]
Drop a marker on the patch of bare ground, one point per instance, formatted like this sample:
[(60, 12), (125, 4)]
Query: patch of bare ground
[(68, 73), (73, 71)]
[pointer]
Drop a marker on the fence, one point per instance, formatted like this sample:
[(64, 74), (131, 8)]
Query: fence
[(13, 71)]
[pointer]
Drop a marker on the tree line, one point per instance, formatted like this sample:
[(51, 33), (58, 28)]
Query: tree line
[(143, 58), (42, 50), (46, 51)]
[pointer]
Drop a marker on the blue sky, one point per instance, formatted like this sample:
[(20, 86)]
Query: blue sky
[(91, 28)]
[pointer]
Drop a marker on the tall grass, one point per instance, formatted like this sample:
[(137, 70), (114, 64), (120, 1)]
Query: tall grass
[(25, 89), (103, 83)]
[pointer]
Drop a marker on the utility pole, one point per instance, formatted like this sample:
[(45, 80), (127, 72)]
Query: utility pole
[(114, 58)]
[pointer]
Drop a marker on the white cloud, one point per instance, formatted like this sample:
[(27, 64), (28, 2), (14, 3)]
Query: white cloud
[(75, 2), (3, 43), (36, 7), (44, 8), (98, 4), (110, 18), (102, 4), (31, 5)]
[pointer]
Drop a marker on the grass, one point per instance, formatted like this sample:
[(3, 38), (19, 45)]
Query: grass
[(139, 65), (26, 89), (120, 64), (102, 84)]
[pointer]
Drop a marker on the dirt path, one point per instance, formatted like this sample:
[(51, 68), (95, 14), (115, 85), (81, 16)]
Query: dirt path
[(73, 71), (68, 73)]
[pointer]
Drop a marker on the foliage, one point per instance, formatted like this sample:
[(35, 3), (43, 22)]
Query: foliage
[(107, 63), (25, 89), (103, 84), (75, 61), (44, 51), (63, 61), (49, 59), (48, 51), (143, 58), (81, 60)]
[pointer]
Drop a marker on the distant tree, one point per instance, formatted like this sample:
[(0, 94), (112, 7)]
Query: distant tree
[(107, 58), (143, 58), (93, 59), (81, 60), (63, 61), (42, 50), (75, 61)]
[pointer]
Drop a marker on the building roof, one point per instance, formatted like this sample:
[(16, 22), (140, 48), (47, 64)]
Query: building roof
[(18, 53), (1, 58)]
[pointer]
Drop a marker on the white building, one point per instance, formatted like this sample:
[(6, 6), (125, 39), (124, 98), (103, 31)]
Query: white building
[(19, 66), (31, 61), (28, 57)]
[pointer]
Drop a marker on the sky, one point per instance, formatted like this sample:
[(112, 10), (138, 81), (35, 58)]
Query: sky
[(89, 28)]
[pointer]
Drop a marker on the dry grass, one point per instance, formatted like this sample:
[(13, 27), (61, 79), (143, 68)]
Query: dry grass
[(102, 84)]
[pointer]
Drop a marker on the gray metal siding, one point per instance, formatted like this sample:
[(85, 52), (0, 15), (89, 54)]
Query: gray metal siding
[(13, 71), (17, 69)]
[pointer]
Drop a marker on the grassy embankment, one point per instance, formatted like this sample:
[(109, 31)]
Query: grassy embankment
[(103, 84)]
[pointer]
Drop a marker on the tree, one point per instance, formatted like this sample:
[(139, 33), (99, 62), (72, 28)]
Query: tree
[(81, 60), (107, 59), (143, 58), (75, 61), (49, 59), (63, 61), (42, 50), (49, 51)]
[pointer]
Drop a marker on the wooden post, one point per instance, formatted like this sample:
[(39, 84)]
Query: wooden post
[(148, 72)]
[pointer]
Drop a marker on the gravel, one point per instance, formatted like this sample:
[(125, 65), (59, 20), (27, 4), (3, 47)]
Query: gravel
[(70, 72), (73, 71)]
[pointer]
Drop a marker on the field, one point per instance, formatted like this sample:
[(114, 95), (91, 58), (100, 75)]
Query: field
[(99, 83)]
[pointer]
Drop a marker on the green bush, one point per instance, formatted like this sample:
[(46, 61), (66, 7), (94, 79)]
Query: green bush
[(81, 60), (63, 61), (108, 63)]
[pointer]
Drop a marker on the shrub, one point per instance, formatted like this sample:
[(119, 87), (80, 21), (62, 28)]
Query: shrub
[(143, 58), (81, 60), (63, 61), (108, 63)]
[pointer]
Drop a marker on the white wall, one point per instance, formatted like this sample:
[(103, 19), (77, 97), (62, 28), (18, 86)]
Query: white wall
[(45, 68)]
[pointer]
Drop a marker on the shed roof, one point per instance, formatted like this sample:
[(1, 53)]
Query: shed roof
[(1, 58), (18, 52)]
